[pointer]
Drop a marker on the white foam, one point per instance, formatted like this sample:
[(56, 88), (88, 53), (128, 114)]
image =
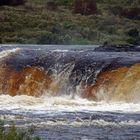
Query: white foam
[(58, 50), (6, 53), (65, 103)]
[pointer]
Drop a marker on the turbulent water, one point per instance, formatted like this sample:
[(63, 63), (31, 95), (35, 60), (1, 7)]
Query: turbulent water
[(71, 92)]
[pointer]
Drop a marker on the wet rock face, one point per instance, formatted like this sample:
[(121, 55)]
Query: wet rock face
[(117, 85), (30, 81), (12, 2), (85, 7)]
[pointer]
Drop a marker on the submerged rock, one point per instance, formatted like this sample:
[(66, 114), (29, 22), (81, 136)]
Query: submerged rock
[(118, 48)]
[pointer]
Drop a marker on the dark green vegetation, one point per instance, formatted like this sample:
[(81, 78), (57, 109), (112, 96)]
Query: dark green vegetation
[(13, 134), (71, 22)]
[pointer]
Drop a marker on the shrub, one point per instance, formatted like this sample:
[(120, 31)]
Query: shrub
[(134, 37), (133, 32), (48, 38), (134, 41), (14, 134), (116, 10), (64, 2), (51, 5)]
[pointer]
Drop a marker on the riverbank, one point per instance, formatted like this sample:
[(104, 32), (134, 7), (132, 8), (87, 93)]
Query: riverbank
[(35, 23)]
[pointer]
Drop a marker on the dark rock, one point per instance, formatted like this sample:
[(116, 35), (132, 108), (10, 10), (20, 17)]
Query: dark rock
[(85, 7), (133, 13), (12, 2), (117, 48)]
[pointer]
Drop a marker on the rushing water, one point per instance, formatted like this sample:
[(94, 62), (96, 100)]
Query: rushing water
[(71, 92)]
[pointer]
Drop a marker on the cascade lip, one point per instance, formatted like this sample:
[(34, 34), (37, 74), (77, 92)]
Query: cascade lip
[(47, 56)]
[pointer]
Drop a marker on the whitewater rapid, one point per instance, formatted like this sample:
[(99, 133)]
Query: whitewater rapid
[(64, 103)]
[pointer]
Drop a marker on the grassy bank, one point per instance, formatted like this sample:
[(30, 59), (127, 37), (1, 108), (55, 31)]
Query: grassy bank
[(34, 23)]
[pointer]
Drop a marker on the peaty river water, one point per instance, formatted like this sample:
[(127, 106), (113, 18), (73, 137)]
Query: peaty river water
[(71, 92)]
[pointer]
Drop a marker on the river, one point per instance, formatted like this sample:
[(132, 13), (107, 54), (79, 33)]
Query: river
[(71, 92)]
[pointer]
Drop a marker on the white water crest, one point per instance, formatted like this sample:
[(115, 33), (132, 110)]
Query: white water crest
[(6, 53), (65, 103)]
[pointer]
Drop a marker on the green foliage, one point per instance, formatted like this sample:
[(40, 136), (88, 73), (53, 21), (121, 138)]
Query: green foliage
[(14, 134)]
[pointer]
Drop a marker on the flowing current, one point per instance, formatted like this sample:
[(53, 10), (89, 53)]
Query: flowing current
[(71, 92)]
